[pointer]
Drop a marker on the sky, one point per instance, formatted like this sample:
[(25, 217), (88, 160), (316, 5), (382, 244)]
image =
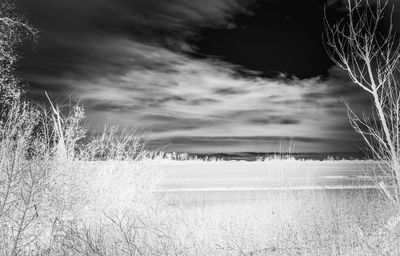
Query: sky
[(200, 75)]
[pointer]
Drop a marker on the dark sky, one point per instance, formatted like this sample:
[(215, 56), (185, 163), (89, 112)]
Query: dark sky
[(200, 75), (279, 36)]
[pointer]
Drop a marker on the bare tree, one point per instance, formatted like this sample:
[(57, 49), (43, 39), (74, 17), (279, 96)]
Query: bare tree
[(366, 46), (13, 30)]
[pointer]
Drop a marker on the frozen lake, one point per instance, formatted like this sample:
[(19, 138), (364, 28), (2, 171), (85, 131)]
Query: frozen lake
[(224, 179)]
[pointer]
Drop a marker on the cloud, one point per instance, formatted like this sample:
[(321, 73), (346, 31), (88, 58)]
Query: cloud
[(129, 63), (72, 31), (186, 97)]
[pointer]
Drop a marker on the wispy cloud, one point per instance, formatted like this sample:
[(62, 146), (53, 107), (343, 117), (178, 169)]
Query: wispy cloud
[(173, 95), (129, 63)]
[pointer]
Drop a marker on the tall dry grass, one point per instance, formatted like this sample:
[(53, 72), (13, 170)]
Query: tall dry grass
[(51, 171), (344, 223)]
